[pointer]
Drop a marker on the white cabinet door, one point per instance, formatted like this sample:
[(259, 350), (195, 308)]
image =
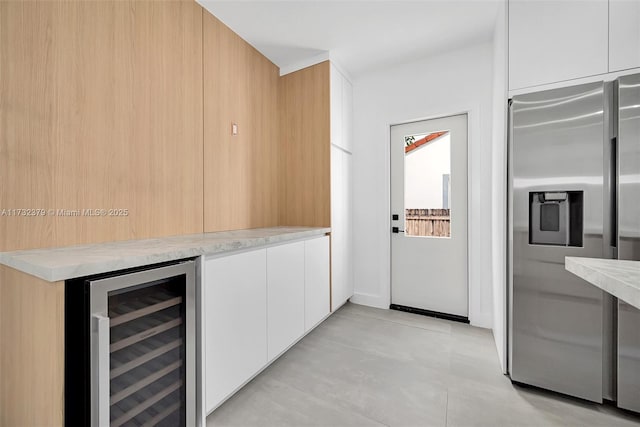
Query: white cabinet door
[(624, 34), (347, 115), (341, 230), (285, 296), (235, 319), (555, 40), (347, 165), (335, 104), (316, 282), (338, 226)]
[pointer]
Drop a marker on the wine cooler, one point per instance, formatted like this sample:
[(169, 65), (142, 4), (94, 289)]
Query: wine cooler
[(141, 348)]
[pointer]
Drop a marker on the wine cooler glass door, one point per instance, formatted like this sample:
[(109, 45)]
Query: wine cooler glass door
[(143, 352)]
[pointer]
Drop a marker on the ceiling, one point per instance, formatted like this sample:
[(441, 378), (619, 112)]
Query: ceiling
[(361, 35)]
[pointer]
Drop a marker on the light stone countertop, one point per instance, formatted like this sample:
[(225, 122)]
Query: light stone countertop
[(617, 277), (56, 264)]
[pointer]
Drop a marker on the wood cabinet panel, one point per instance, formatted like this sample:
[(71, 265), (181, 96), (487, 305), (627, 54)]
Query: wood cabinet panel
[(305, 151), (28, 126), (102, 109), (240, 172), (32, 356)]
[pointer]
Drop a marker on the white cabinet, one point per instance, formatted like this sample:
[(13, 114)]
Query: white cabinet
[(285, 296), (335, 93), (556, 40), (341, 221), (341, 105), (316, 281), (341, 227), (624, 34), (234, 321), (347, 115), (256, 304), (341, 210)]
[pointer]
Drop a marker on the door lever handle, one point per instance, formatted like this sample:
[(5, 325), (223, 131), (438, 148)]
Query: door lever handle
[(396, 230)]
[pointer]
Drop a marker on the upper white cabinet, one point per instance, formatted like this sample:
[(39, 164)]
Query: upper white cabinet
[(341, 93), (556, 40), (347, 115), (624, 34), (285, 296), (341, 185), (336, 106)]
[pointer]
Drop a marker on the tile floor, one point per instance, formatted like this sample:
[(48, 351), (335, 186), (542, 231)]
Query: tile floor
[(369, 367)]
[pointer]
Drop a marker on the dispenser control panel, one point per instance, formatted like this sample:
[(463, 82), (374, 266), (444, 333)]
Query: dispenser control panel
[(555, 218)]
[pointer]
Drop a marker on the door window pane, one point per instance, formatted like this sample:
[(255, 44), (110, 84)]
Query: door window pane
[(427, 184)]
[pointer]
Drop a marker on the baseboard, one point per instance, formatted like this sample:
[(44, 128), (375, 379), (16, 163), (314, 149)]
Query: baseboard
[(370, 300)]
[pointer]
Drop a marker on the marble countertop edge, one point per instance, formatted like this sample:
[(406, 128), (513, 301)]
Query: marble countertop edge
[(620, 278), (59, 264)]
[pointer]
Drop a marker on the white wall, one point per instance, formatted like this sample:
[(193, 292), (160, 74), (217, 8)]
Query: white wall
[(499, 181), (451, 83), (423, 170)]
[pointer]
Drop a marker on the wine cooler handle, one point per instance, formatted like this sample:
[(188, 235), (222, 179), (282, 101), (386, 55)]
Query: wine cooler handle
[(101, 374)]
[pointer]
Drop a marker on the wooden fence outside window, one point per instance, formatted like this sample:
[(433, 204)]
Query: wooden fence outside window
[(428, 222)]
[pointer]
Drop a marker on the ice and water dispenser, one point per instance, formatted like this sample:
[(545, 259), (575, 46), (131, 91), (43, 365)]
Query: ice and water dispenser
[(555, 218)]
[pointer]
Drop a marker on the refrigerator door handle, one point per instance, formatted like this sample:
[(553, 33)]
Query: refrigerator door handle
[(613, 191)]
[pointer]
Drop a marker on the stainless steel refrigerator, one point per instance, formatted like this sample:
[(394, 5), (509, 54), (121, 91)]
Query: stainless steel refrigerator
[(574, 173)]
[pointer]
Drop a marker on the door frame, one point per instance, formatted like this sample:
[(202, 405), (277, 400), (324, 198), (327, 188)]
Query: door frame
[(469, 112)]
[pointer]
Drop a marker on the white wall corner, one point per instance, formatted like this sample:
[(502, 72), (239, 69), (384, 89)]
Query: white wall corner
[(482, 320), (307, 62), (336, 63), (370, 300), (499, 184)]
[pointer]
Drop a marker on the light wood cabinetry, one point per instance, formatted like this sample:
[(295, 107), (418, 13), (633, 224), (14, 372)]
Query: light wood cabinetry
[(305, 147), (31, 350), (316, 185), (285, 296), (624, 34), (102, 109), (556, 40), (241, 172), (234, 293)]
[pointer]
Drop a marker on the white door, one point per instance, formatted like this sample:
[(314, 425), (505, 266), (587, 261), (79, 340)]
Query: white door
[(429, 215)]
